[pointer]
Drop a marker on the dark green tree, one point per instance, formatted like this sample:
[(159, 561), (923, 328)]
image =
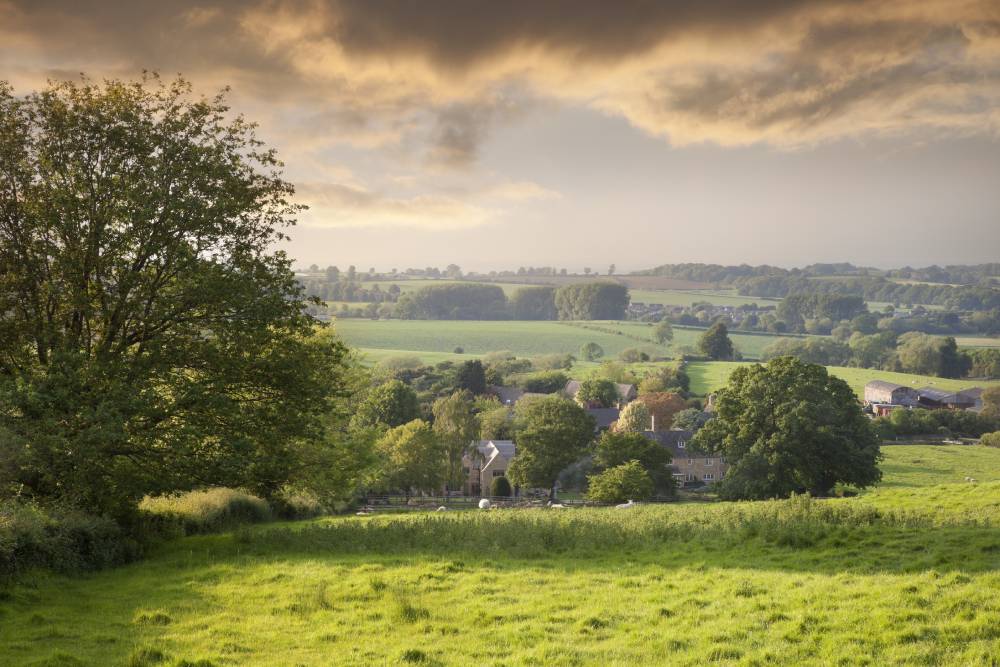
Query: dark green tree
[(471, 376), (715, 343), (534, 303), (628, 481), (411, 458), (552, 433), (663, 332), (615, 449), (789, 427), (151, 339), (597, 392), (501, 488), (591, 351), (387, 405), (457, 427)]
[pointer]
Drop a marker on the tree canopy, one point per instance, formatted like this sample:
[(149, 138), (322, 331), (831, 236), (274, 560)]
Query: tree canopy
[(615, 449), (715, 343), (552, 433), (789, 427), (389, 404), (151, 339), (592, 301), (597, 392)]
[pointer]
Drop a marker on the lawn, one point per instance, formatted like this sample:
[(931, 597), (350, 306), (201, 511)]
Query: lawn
[(423, 337), (707, 376), (904, 574)]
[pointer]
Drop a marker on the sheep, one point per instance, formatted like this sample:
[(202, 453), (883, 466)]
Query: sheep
[(558, 506), (625, 506), (441, 509), (972, 480), (362, 513), (484, 504)]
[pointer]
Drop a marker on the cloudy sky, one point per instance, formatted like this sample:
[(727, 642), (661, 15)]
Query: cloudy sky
[(583, 132)]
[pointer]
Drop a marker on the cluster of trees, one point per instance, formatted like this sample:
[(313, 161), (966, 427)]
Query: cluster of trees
[(941, 422), (795, 309), (474, 301), (910, 353)]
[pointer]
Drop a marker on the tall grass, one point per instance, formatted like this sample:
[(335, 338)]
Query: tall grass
[(210, 510)]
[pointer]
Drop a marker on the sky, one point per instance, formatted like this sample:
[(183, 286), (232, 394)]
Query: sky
[(580, 133)]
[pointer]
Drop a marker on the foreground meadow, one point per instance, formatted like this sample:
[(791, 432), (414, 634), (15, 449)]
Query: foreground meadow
[(868, 580)]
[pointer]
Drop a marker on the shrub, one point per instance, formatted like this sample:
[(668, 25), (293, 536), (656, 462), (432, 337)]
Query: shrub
[(629, 481), (501, 487), (991, 439), (64, 541), (296, 504), (209, 510)]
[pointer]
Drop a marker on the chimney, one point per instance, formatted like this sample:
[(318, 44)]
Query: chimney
[(652, 423)]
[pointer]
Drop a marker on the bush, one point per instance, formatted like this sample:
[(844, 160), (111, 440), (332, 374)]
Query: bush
[(629, 481), (64, 541), (209, 510), (501, 488), (294, 504), (991, 439)]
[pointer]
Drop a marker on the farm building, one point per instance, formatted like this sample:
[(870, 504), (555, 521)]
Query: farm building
[(890, 393), (690, 468), (491, 460), (935, 399), (976, 396)]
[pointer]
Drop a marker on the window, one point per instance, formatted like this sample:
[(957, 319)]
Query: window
[(690, 462), (498, 473), (691, 478), (708, 477), (709, 463), (680, 444)]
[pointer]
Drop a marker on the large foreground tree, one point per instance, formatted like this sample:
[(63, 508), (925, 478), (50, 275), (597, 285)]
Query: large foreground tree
[(789, 427), (552, 433), (151, 339)]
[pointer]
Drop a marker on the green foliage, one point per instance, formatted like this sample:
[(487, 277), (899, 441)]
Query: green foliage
[(663, 332), (933, 422), (715, 343), (633, 355), (545, 382), (592, 301), (984, 363), (210, 510), (634, 418), (597, 392), (390, 404), (666, 378), (991, 402), (411, 458), (454, 301), (591, 351), (789, 427), (496, 424), (534, 303), (152, 338), (823, 351), (471, 377), (501, 488), (991, 439), (617, 448), (794, 309), (690, 419), (931, 355), (60, 540), (628, 481), (456, 426), (552, 433)]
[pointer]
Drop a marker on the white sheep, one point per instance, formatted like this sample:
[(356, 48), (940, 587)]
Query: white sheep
[(625, 506), (441, 509), (558, 506), (484, 504), (972, 480)]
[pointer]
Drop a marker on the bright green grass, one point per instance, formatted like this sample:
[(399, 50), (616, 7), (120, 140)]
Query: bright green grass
[(420, 337), (916, 466), (786, 583), (707, 376)]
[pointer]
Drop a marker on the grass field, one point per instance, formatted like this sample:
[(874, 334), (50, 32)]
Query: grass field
[(430, 338), (688, 297), (977, 341), (707, 376), (880, 579)]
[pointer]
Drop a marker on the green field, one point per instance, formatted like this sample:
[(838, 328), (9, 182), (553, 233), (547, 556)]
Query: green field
[(977, 341), (844, 582), (420, 337), (707, 376), (689, 297)]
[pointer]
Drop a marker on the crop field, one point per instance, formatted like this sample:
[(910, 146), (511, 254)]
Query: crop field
[(707, 376), (689, 297), (977, 341), (427, 338), (880, 579)]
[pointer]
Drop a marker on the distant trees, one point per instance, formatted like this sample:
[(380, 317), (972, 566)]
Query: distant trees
[(789, 427), (544, 382), (931, 355), (412, 458), (454, 301), (591, 351), (591, 301), (991, 402), (471, 376), (663, 332), (534, 303), (597, 392), (825, 351), (552, 433), (715, 343), (390, 404), (456, 426)]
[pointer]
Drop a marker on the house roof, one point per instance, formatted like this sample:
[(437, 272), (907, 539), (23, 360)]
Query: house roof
[(491, 449), (975, 393), (939, 396), (672, 440), (507, 395), (604, 417), (885, 386)]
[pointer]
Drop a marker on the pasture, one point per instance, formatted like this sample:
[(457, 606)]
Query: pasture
[(867, 580), (707, 376), (435, 337)]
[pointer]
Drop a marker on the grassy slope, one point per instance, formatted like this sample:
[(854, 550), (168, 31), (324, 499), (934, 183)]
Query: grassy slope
[(417, 337), (707, 376), (771, 583)]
